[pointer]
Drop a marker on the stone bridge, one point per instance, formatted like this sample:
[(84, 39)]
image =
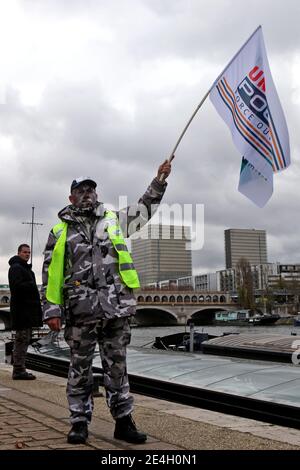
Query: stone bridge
[(162, 307)]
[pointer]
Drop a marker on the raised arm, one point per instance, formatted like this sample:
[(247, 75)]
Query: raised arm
[(135, 216)]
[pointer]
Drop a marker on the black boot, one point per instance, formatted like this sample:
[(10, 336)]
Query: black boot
[(23, 375), (126, 430), (78, 433)]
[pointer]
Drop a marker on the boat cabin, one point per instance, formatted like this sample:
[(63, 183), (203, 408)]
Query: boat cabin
[(237, 315)]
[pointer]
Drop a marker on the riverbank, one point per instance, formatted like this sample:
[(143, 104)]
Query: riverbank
[(34, 415)]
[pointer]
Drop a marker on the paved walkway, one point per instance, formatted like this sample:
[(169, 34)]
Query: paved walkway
[(28, 421), (34, 415)]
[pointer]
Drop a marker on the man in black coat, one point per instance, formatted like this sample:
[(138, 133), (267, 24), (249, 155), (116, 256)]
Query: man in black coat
[(25, 308)]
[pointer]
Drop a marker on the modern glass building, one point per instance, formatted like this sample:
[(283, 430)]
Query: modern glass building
[(245, 243), (161, 253)]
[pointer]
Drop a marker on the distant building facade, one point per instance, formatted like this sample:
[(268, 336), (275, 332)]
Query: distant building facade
[(160, 253), (245, 243), (226, 280), (207, 282), (183, 283), (288, 276), (261, 275)]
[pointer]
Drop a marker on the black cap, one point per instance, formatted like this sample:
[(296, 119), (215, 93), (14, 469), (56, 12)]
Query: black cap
[(82, 179)]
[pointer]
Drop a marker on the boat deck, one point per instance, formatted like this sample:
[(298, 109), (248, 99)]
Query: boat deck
[(274, 382), (251, 388), (262, 346)]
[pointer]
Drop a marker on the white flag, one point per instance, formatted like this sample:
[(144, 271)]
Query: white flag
[(254, 185), (245, 97)]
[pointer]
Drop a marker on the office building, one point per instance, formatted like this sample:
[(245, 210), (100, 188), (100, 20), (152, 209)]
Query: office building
[(287, 277), (159, 253), (206, 282), (261, 275), (244, 243)]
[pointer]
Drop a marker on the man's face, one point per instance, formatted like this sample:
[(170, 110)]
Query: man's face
[(84, 196), (24, 253)]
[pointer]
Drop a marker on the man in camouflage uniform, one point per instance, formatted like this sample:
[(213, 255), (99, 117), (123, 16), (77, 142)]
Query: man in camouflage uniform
[(97, 304)]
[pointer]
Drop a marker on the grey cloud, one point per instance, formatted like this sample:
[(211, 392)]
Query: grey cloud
[(186, 28), (78, 129)]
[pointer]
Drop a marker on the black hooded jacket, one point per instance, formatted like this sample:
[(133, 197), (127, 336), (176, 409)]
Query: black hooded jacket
[(25, 305)]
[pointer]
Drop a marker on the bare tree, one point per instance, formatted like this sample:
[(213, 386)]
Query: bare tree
[(294, 289), (267, 300), (244, 281)]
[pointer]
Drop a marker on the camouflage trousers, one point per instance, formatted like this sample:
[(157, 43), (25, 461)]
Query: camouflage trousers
[(112, 336), (21, 343)]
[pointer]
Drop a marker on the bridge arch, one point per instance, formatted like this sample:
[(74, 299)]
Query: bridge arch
[(155, 316), (204, 316)]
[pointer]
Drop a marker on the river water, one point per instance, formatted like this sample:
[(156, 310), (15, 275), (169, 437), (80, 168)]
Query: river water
[(145, 336)]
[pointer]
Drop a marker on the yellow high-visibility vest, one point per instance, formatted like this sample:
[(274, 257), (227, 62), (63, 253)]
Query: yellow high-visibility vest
[(127, 272)]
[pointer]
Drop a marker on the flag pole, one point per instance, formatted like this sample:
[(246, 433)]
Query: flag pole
[(189, 122), (172, 156)]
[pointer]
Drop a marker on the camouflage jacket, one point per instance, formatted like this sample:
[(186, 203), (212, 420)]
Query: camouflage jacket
[(93, 288)]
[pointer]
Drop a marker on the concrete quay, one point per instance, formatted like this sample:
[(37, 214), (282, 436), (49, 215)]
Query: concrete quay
[(34, 416)]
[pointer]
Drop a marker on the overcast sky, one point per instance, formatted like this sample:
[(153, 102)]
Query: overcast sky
[(104, 88)]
